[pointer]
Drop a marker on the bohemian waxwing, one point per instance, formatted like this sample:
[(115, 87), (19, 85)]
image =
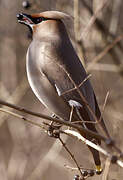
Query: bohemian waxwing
[(50, 60)]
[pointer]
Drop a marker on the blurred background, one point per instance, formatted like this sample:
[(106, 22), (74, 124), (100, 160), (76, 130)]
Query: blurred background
[(26, 152)]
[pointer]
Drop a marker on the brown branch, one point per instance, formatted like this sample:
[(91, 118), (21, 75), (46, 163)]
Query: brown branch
[(104, 52), (105, 102), (74, 169), (23, 118), (94, 122), (93, 19), (103, 109), (93, 145), (79, 47), (107, 67), (61, 121), (106, 169), (16, 96), (72, 156), (80, 93), (70, 90), (67, 132)]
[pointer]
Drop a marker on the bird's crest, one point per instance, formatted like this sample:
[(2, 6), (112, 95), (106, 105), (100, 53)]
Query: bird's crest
[(53, 15)]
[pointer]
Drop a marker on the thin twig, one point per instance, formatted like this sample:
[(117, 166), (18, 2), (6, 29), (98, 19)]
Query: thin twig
[(87, 142), (74, 169), (77, 32), (114, 22), (22, 117), (70, 90), (105, 102), (107, 67), (94, 122), (103, 109), (93, 19), (67, 132), (76, 18), (91, 144), (16, 96), (72, 156), (104, 52), (82, 121), (71, 168), (106, 169), (83, 99), (66, 123), (80, 93)]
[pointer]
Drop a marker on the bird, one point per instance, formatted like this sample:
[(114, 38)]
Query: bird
[(54, 68)]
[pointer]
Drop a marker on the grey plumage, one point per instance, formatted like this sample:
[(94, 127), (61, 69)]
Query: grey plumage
[(50, 59), (49, 56)]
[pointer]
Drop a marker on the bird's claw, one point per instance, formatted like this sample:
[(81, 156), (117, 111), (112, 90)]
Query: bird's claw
[(53, 131)]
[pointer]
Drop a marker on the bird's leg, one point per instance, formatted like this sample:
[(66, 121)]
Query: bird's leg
[(54, 127), (55, 124)]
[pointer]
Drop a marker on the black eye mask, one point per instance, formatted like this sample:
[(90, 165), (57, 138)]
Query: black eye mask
[(38, 20)]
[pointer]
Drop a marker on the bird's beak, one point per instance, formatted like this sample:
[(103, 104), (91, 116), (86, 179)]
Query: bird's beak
[(24, 19)]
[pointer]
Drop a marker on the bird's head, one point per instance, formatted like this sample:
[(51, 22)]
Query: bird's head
[(42, 20)]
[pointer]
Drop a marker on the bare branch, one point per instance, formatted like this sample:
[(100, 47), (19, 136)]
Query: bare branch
[(22, 117), (93, 19), (77, 32), (68, 132), (72, 156), (105, 102), (106, 169), (107, 67), (103, 109), (104, 52), (61, 121), (16, 96), (70, 90), (91, 144)]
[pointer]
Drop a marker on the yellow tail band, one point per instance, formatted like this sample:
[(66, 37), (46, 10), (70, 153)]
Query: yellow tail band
[(98, 169)]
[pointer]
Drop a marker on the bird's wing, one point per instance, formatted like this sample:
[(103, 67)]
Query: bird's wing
[(43, 88), (48, 77), (61, 63), (68, 64)]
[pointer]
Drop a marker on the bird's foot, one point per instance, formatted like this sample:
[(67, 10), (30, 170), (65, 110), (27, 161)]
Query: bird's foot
[(53, 130), (85, 174)]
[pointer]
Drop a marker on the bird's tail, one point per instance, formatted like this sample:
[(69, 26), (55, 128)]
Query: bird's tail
[(83, 114)]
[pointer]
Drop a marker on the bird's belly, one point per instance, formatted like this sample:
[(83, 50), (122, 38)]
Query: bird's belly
[(34, 84), (34, 77)]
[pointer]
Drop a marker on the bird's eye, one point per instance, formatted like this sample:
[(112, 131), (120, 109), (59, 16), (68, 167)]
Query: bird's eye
[(38, 20)]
